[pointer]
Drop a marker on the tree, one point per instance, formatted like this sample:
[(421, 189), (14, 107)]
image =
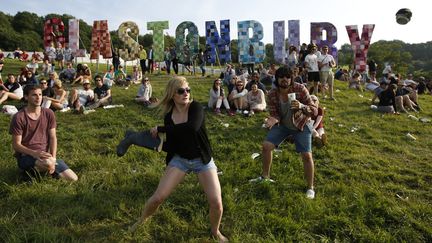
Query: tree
[(269, 54), (345, 55), (391, 52), (23, 21), (234, 51)]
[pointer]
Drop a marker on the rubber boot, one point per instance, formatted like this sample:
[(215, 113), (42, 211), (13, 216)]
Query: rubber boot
[(142, 139)]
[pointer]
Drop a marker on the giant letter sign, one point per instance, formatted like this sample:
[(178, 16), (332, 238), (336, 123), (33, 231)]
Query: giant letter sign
[(101, 40), (158, 38), (360, 46), (53, 32), (294, 34), (279, 49), (251, 50), (187, 45), (129, 42), (331, 36), (218, 47), (74, 38)]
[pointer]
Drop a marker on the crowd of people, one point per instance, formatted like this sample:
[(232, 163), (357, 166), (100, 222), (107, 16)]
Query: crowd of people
[(289, 93)]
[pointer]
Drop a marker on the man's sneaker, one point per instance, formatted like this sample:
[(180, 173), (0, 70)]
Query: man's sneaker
[(261, 179), (217, 111), (310, 194), (230, 112), (238, 111)]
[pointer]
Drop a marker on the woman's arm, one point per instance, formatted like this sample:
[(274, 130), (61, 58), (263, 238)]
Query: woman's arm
[(194, 122)]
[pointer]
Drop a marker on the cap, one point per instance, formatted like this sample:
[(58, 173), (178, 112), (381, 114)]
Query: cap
[(86, 81)]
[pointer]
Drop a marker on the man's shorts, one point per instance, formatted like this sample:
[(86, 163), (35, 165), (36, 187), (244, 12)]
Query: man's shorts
[(326, 77), (302, 139), (27, 163), (193, 165), (313, 76)]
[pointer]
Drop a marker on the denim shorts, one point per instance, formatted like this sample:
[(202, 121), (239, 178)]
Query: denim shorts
[(27, 163), (191, 165), (302, 139)]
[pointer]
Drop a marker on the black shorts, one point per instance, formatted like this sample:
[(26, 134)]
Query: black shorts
[(313, 76), (27, 163)]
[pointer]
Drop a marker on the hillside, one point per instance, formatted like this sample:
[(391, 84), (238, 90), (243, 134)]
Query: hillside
[(372, 182)]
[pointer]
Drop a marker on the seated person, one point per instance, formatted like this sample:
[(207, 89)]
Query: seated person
[(34, 138), (22, 77), (83, 73), (377, 91), (318, 133), (102, 94), (58, 99), (296, 75), (33, 66), (108, 78), (239, 97), (47, 93), (10, 89), (68, 74), (136, 75), (36, 56), (24, 56), (79, 98), (217, 97), (411, 86), (46, 67), (256, 99), (120, 77), (355, 82), (52, 77), (30, 78), (144, 92), (371, 82), (255, 80), (387, 103), (402, 98), (17, 53)]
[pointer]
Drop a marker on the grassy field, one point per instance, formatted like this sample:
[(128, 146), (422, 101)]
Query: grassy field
[(373, 184)]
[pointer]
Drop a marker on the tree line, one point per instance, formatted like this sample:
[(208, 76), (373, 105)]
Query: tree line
[(25, 30)]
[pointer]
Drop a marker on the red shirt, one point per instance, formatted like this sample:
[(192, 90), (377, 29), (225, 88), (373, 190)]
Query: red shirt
[(35, 133)]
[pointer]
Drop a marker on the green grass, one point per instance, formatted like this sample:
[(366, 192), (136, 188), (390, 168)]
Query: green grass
[(360, 180)]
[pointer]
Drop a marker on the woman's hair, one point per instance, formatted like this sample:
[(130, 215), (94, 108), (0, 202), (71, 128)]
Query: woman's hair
[(167, 102), (58, 83)]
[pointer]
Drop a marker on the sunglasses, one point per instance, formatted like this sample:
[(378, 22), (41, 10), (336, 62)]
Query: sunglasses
[(181, 91)]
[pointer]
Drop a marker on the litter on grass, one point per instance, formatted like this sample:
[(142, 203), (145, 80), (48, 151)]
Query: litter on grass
[(255, 155)]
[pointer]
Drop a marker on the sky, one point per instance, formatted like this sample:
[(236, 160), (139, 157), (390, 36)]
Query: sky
[(338, 12)]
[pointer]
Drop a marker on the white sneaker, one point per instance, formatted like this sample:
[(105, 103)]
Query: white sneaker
[(310, 194)]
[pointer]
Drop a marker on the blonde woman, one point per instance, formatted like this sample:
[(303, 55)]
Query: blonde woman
[(188, 150), (59, 101)]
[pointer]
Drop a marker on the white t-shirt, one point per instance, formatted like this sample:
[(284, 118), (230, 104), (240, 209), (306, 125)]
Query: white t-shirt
[(312, 61), (84, 94), (326, 60)]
